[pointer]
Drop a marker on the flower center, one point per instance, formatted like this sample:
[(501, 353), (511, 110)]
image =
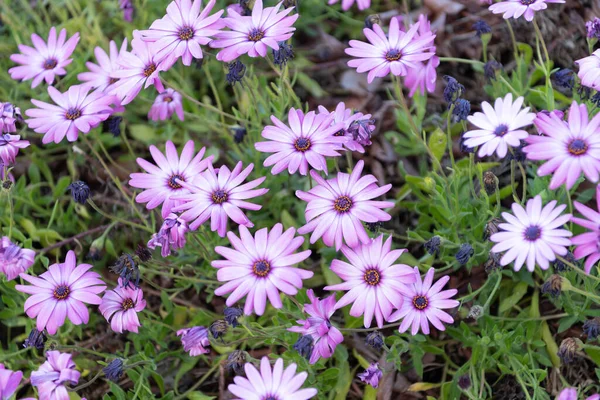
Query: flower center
[(186, 33), (532, 233), (270, 397), (261, 268), (50, 63), (372, 277), (167, 99), (578, 147), (339, 133), (127, 304), (255, 35), (173, 181), (527, 2), (420, 302), (73, 113), (61, 292), (112, 80), (149, 69), (302, 144), (342, 204), (501, 130), (393, 55), (219, 197)]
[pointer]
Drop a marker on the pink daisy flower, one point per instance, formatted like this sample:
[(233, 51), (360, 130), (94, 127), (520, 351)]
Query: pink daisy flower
[(182, 30), (13, 259), (195, 340), (52, 376), (260, 267), (516, 8), (98, 76), (571, 394), (346, 4), (10, 115), (254, 34), (139, 69), (219, 196), (532, 234), (171, 235), (318, 326), (589, 70), (9, 147), (569, 148), (306, 141), (337, 207), (9, 382), (120, 307), (587, 243), (423, 304), (75, 111), (345, 116), (396, 52), (165, 105), (374, 283), (499, 127), (424, 76), (60, 293), (161, 181), (276, 384), (45, 60)]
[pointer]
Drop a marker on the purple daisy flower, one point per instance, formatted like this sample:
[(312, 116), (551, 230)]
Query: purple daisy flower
[(10, 115), (499, 127), (571, 394), (9, 382), (254, 34), (165, 105), (9, 147), (60, 293), (162, 181), (424, 76), (517, 8), (120, 307), (276, 384), (318, 326), (423, 304), (395, 52), (345, 116), (306, 141), (13, 259), (46, 60), (171, 235), (532, 234), (374, 284), (587, 243), (195, 340), (52, 376), (218, 197), (182, 30), (98, 76), (372, 375), (346, 4), (260, 267), (338, 207), (589, 70), (569, 148)]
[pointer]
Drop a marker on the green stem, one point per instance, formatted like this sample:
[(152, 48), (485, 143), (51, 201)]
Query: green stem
[(115, 218), (577, 269), (187, 278), (513, 39), (491, 295), (215, 366), (461, 60)]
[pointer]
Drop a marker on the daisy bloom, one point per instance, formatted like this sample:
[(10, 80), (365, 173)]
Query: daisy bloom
[(345, 116), (396, 52), (195, 340), (532, 234), (516, 8), (75, 111), (165, 105), (10, 115), (276, 384), (171, 235), (121, 305), (218, 197), (45, 60), (589, 70), (587, 243), (60, 293), (182, 30), (260, 267), (98, 76), (571, 394), (372, 375), (52, 376), (9, 147), (338, 207), (423, 304), (13, 259), (318, 326), (254, 34), (346, 4), (160, 181), (499, 127), (374, 283), (570, 149), (306, 141), (424, 76), (9, 382)]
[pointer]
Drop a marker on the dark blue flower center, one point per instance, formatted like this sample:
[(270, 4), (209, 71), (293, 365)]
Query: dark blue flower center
[(173, 181), (50, 63), (501, 130), (255, 35), (261, 268), (342, 204), (270, 397), (61, 292), (420, 302), (302, 144), (219, 196), (532, 233), (372, 277), (393, 55), (577, 147), (73, 113), (186, 33), (527, 2)]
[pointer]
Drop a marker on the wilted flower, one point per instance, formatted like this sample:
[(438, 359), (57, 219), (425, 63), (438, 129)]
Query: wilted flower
[(361, 130), (14, 260), (595, 100), (564, 78), (490, 182), (304, 346), (165, 105), (112, 125), (235, 361), (218, 328), (36, 339), (239, 133), (453, 89), (591, 328), (52, 376), (516, 8), (236, 72), (553, 285), (464, 254), (373, 19), (373, 226), (80, 191), (114, 370), (121, 306), (476, 312), (372, 375), (10, 118), (375, 339), (593, 28), (127, 269), (567, 350), (492, 263), (143, 253), (464, 382), (171, 235), (491, 227), (461, 110), (560, 266), (283, 54), (433, 245), (356, 133), (98, 76), (232, 314), (490, 68), (481, 27), (195, 340)]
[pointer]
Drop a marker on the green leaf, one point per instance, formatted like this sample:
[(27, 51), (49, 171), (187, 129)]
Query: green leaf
[(518, 291), (437, 143), (144, 133), (551, 346), (199, 396)]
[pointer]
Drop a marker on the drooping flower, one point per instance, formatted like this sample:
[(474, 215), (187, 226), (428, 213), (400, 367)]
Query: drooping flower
[(120, 307), (195, 340), (235, 361), (589, 70), (80, 191), (587, 243), (10, 116), (128, 9), (571, 394), (236, 72), (98, 76), (593, 28), (499, 127), (591, 328), (423, 304), (345, 116), (160, 181), (424, 76), (461, 111), (232, 314), (75, 111), (346, 4), (14, 260), (9, 381), (254, 34), (372, 375), (464, 253), (481, 27), (9, 147), (218, 197), (46, 60), (166, 104), (277, 384), (260, 267), (52, 376), (375, 339), (60, 293), (532, 234), (517, 8), (564, 79), (569, 149), (337, 207), (283, 55), (325, 336), (35, 339), (182, 30), (361, 131), (114, 370), (171, 235), (373, 281), (395, 53)]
